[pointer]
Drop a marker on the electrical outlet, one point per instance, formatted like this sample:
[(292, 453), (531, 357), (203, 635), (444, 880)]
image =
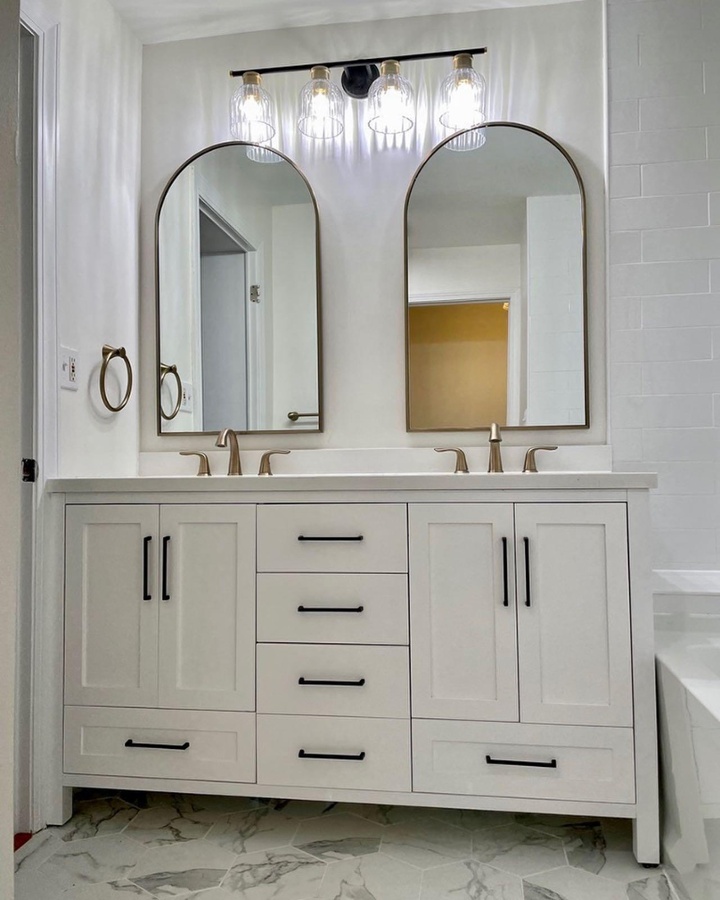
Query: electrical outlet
[(68, 369), (186, 404)]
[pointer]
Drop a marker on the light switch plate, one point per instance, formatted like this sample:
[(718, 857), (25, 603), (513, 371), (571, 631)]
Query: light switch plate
[(68, 369)]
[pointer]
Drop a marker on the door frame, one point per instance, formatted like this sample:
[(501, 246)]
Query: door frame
[(48, 801)]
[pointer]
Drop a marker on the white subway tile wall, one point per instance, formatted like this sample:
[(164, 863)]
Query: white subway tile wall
[(664, 83)]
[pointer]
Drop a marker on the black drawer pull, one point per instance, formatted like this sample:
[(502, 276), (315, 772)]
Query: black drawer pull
[(165, 594), (521, 762), (311, 681), (146, 546), (331, 609), (355, 758), (184, 746), (506, 595), (303, 537)]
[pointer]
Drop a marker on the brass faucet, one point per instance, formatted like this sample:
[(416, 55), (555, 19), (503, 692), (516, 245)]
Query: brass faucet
[(228, 437), (495, 460), (265, 468), (460, 458)]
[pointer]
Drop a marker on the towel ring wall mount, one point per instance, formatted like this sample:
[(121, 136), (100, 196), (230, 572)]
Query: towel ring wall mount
[(109, 353)]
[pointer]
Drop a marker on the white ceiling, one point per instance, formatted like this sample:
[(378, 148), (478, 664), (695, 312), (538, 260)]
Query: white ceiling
[(155, 21)]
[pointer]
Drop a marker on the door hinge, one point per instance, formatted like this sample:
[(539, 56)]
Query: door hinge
[(29, 470), (254, 293)]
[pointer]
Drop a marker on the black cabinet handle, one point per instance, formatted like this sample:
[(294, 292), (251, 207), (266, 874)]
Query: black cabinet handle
[(166, 541), (521, 762), (526, 542), (331, 609), (359, 683), (506, 594), (142, 746), (304, 537), (350, 756), (146, 545)]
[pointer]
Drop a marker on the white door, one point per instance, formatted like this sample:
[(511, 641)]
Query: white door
[(462, 611), (573, 613), (207, 607), (111, 605)]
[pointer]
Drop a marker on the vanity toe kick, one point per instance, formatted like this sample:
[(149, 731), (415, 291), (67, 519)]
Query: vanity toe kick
[(334, 752)]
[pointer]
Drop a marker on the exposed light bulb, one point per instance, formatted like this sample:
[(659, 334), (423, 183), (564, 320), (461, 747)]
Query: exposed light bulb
[(321, 106), (391, 101), (251, 111), (462, 96)]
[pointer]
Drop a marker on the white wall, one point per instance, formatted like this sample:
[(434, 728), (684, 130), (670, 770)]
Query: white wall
[(97, 214), (294, 325), (555, 364), (9, 423), (664, 74), (544, 68)]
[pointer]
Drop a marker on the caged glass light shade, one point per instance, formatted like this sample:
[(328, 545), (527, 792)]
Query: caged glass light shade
[(392, 102), (251, 111), (321, 106), (462, 96)]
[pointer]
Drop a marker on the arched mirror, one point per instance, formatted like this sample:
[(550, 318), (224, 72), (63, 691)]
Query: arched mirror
[(238, 295), (496, 284)]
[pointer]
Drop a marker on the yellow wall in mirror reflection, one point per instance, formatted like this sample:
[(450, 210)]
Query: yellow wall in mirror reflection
[(457, 355)]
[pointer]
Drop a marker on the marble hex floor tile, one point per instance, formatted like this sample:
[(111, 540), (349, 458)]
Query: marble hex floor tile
[(338, 836), (127, 845)]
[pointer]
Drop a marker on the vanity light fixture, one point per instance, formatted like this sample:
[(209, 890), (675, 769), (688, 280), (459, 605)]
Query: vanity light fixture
[(321, 106), (390, 96), (462, 101), (392, 101), (251, 111)]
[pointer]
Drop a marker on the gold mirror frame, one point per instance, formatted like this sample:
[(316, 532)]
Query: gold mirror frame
[(583, 207), (158, 364)]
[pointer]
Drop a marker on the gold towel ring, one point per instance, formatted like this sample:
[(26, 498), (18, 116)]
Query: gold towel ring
[(164, 371), (109, 353)]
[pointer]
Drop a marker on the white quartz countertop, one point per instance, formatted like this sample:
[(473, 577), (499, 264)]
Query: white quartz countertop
[(548, 481)]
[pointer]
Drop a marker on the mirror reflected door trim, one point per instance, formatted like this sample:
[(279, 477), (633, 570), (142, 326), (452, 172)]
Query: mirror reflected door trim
[(584, 262)]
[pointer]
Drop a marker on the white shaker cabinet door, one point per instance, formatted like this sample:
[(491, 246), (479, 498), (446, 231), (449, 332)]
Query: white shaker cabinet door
[(207, 607), (462, 611), (573, 613), (111, 605)]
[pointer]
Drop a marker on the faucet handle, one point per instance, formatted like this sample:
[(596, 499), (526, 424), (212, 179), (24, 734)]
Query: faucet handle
[(203, 462), (460, 458), (529, 464), (265, 468)]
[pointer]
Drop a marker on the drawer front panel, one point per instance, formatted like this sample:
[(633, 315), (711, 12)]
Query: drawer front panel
[(221, 744), (323, 537), (477, 758), (336, 609), (369, 681), (385, 744)]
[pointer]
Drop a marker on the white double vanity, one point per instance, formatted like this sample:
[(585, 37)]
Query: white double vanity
[(477, 641)]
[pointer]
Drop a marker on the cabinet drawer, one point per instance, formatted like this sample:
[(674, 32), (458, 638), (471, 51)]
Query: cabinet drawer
[(385, 744), (221, 744), (590, 763), (336, 609), (370, 681), (323, 537)]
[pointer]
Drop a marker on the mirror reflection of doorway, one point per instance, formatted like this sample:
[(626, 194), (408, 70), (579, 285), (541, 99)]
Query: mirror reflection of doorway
[(458, 364), (223, 322)]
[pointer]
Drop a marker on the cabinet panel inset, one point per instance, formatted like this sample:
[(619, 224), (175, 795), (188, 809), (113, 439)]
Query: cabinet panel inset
[(111, 605), (207, 614), (462, 618), (575, 662)]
